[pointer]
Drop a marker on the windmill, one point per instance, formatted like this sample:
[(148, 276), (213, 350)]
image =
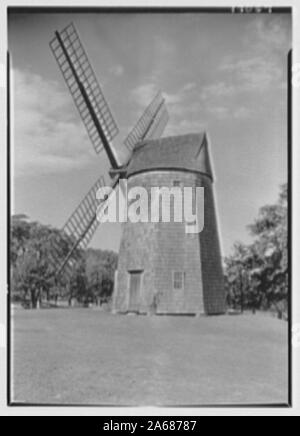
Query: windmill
[(161, 269), (102, 129)]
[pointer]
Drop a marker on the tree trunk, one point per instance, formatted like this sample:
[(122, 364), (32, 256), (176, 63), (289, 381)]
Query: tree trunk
[(34, 298)]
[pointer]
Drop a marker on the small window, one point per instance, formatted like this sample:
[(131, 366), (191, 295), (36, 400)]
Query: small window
[(177, 183), (178, 280)]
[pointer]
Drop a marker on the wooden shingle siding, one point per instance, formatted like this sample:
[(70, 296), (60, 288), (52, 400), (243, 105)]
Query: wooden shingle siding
[(159, 249)]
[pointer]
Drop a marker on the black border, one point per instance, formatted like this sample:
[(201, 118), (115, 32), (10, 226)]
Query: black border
[(143, 9), (134, 9), (290, 218), (8, 344)]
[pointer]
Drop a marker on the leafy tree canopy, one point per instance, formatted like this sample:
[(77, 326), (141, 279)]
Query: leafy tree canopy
[(257, 274), (34, 245)]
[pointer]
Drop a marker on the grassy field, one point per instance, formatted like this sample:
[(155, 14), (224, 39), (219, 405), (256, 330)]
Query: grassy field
[(91, 357)]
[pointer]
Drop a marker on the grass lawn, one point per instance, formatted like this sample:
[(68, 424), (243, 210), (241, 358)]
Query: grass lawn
[(91, 357)]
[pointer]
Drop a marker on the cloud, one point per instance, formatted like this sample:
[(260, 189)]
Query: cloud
[(189, 86), (47, 134), (117, 70), (163, 60), (242, 112), (232, 89), (253, 74), (187, 106), (165, 57), (185, 126), (262, 64), (219, 112), (143, 94), (230, 111), (218, 89), (269, 34), (178, 103), (219, 100), (184, 112), (174, 99)]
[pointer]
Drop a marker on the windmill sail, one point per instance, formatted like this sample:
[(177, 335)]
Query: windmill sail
[(79, 229), (102, 129), (85, 89), (159, 123), (151, 124)]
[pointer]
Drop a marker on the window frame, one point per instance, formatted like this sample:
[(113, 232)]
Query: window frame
[(177, 183), (175, 280)]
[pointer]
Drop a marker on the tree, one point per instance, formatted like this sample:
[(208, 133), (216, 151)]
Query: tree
[(32, 246), (20, 233), (100, 271), (271, 245), (257, 274)]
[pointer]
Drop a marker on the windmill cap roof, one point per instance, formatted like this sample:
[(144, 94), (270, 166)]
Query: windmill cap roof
[(186, 152)]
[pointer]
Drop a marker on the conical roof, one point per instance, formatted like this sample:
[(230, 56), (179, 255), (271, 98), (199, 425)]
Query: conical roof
[(186, 152)]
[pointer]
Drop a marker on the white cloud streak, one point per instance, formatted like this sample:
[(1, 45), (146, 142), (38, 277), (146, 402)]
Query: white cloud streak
[(268, 35), (239, 79), (48, 136), (253, 74), (117, 70)]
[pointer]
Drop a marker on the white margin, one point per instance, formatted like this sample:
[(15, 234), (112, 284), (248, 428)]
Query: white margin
[(150, 411)]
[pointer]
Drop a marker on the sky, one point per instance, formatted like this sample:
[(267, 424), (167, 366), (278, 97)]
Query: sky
[(220, 73)]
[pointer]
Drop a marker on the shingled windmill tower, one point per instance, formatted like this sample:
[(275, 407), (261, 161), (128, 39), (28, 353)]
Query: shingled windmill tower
[(161, 268)]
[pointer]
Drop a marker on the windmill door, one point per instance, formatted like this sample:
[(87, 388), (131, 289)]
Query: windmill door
[(134, 290)]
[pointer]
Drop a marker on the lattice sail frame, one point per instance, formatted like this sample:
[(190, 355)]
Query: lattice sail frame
[(80, 78), (87, 94), (79, 228), (151, 124), (82, 222), (158, 125)]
